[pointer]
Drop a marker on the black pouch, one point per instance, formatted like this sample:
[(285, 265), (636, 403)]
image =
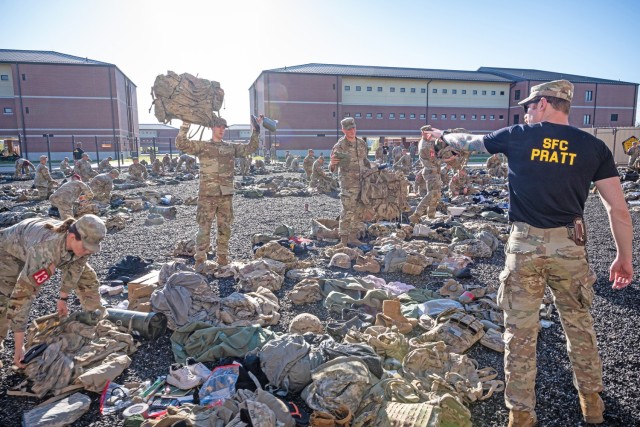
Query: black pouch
[(579, 231)]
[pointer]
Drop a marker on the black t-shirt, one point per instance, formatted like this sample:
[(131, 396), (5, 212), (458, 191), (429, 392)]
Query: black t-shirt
[(77, 153), (551, 167)]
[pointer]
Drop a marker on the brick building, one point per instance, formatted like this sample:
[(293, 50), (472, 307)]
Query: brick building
[(392, 103), (68, 98), (158, 135)]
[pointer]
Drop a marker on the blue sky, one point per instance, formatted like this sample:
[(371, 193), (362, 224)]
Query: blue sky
[(233, 41)]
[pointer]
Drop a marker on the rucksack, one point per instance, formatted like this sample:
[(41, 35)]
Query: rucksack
[(187, 98)]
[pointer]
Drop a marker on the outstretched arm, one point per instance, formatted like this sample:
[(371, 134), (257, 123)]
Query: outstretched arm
[(621, 270), (460, 141)]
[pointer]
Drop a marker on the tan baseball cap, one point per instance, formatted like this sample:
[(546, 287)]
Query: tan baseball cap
[(348, 123), (92, 230), (426, 127), (562, 89)]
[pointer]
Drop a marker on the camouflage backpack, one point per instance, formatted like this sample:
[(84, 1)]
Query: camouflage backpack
[(187, 98), (457, 329)]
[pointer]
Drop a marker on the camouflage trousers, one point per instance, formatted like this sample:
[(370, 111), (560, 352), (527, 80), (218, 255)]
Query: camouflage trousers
[(498, 172), (420, 185), (64, 207), (221, 208), (537, 258), (429, 202), (43, 192), (351, 215), (10, 268)]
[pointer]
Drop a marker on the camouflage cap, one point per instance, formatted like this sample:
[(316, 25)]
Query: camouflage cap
[(562, 89), (219, 121), (115, 172), (348, 123), (43, 157), (92, 230), (340, 260), (426, 128), (304, 323)]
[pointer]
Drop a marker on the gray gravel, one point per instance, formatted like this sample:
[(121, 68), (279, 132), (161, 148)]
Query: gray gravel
[(616, 313)]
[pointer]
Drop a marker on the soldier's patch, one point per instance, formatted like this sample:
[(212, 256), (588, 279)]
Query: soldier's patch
[(41, 276)]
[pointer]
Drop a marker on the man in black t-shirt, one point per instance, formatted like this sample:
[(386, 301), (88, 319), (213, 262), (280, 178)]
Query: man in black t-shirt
[(78, 152), (551, 165)]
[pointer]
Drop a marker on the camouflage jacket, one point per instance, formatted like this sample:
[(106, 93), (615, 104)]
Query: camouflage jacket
[(396, 152), (104, 166), (429, 156), (102, 182), (633, 153), (493, 162), (166, 162), (307, 164), (317, 172), (84, 169), (157, 167), (137, 170), (353, 164), (70, 191), (403, 164), (217, 160), (380, 153), (43, 178), (39, 251), (64, 166)]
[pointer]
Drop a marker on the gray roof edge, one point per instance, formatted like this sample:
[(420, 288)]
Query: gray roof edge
[(552, 75), (80, 60)]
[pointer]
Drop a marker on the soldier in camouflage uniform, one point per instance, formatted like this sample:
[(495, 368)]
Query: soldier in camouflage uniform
[(404, 163), (548, 188), (68, 194), (43, 181), (188, 161), (65, 167), (259, 166), (215, 192), (83, 168), (427, 152), (102, 184), (104, 165), (396, 152), (633, 153), (319, 179), (295, 164), (166, 162), (379, 154), (31, 251), (460, 184), (137, 172), (307, 163), (495, 168), (244, 165), (288, 157), (22, 167), (413, 149), (349, 158), (157, 168), (419, 185)]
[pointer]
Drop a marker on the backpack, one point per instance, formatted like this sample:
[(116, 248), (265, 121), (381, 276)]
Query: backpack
[(187, 98), (457, 329)]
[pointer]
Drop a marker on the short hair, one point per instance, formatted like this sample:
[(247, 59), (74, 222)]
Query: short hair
[(557, 103)]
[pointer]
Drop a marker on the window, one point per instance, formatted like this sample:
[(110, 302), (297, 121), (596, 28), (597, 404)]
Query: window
[(392, 89), (493, 92), (413, 90), (24, 77), (402, 90), (392, 116), (402, 117), (321, 135), (588, 96), (474, 117), (516, 97), (483, 117), (334, 114), (8, 110), (379, 116), (444, 91), (501, 117), (334, 86), (347, 114), (434, 90), (484, 92), (475, 92), (423, 90), (358, 115), (379, 88), (369, 116), (453, 117), (423, 116), (463, 91), (453, 91), (434, 117), (369, 89), (4, 77), (358, 88), (463, 117), (26, 110), (501, 93), (516, 117), (412, 116), (443, 116), (614, 117), (587, 119), (492, 117), (346, 88)]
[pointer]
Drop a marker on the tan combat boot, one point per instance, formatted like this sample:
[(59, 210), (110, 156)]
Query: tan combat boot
[(414, 219), (353, 240), (344, 241), (592, 408), (522, 419), (392, 316), (222, 260)]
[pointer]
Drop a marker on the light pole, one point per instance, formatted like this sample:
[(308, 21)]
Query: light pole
[(48, 135)]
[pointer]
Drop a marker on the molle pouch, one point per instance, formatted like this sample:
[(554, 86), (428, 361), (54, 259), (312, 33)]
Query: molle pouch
[(579, 232)]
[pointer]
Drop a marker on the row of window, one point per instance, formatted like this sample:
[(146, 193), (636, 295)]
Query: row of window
[(434, 116), (9, 111), (5, 77), (588, 95), (423, 90)]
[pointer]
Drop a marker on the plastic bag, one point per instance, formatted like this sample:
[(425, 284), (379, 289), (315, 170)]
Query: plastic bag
[(220, 386), (114, 398)]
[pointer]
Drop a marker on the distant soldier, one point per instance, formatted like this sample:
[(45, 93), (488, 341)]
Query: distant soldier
[(294, 166), (137, 172), (428, 154), (288, 157), (379, 155), (188, 161), (22, 167), (84, 169), (633, 153), (65, 167), (215, 192), (259, 166), (495, 168), (43, 181), (104, 165), (102, 184), (460, 184), (320, 179), (244, 166), (144, 163), (78, 151), (403, 164), (413, 149), (31, 251), (396, 153), (68, 194), (157, 168), (166, 162), (307, 163)]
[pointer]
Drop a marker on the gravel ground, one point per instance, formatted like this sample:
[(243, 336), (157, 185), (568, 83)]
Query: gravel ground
[(616, 313)]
